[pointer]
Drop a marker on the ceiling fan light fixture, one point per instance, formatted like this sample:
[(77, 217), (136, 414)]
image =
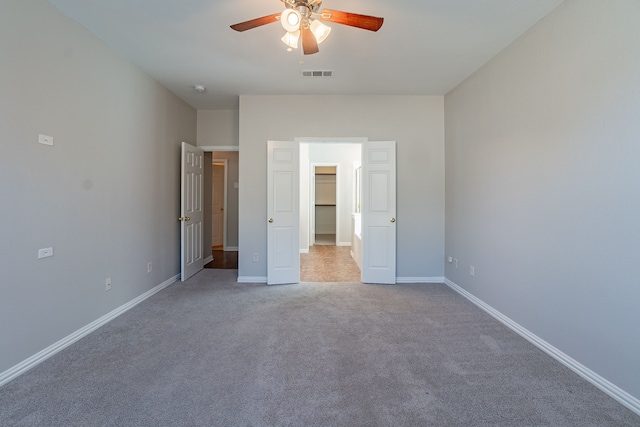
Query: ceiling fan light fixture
[(291, 39), (301, 19), (290, 20), (320, 31)]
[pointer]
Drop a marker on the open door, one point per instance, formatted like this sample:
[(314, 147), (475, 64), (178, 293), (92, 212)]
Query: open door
[(379, 212), (283, 211), (191, 214)]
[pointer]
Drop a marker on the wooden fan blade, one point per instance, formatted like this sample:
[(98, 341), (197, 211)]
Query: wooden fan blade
[(258, 22), (309, 42), (365, 22)]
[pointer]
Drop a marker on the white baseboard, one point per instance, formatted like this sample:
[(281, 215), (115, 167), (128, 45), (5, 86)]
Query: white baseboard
[(43, 355), (231, 249), (263, 279), (603, 384), (252, 279), (343, 244), (438, 279), (208, 259), (304, 251)]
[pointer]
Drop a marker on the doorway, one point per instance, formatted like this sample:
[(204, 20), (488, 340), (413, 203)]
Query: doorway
[(218, 203), (288, 211), (329, 194), (221, 208), (324, 205)]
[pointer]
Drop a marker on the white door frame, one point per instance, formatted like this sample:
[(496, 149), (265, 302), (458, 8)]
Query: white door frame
[(222, 148), (338, 140), (312, 211), (225, 177), (324, 140)]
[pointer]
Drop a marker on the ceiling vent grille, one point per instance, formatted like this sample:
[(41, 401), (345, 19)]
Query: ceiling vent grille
[(317, 73)]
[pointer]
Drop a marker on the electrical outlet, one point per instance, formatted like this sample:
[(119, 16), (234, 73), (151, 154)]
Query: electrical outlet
[(472, 270), (45, 139), (255, 257), (149, 267), (108, 284), (455, 262)]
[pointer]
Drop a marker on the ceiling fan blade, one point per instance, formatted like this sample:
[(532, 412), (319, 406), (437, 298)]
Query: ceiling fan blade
[(365, 22), (309, 43), (258, 22)]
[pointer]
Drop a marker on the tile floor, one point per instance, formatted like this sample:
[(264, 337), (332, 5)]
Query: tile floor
[(326, 263), (323, 263), (326, 239)]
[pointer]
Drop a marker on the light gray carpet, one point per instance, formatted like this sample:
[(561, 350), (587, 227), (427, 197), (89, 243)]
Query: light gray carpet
[(211, 352)]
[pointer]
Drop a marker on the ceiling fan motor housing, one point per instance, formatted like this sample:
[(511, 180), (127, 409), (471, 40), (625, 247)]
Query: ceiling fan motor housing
[(306, 8)]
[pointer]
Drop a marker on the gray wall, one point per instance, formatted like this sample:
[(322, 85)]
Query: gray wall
[(105, 196), (218, 127), (542, 184), (415, 122)]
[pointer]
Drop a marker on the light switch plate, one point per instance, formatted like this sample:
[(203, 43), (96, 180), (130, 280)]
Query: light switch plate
[(45, 252), (45, 139)]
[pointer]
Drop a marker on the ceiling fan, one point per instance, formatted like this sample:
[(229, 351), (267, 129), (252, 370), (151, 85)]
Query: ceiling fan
[(301, 19)]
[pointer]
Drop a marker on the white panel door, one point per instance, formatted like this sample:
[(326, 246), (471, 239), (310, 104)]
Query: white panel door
[(191, 193), (217, 206), (379, 212), (283, 210)]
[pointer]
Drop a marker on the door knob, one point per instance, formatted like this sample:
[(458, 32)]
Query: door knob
[(187, 219), (393, 220), (270, 219), (184, 218)]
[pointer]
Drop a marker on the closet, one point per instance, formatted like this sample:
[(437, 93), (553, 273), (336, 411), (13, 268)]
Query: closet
[(325, 205)]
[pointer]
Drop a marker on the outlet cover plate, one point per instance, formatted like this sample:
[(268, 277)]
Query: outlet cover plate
[(45, 139)]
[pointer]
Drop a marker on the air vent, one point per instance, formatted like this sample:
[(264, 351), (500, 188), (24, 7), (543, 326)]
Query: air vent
[(317, 73)]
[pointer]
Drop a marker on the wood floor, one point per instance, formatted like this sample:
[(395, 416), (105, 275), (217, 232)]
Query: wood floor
[(223, 259), (326, 263)]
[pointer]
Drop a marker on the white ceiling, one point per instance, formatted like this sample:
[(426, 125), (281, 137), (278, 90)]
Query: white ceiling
[(425, 47)]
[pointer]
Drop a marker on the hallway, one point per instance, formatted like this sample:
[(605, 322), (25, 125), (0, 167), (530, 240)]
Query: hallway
[(326, 263), (223, 259)]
